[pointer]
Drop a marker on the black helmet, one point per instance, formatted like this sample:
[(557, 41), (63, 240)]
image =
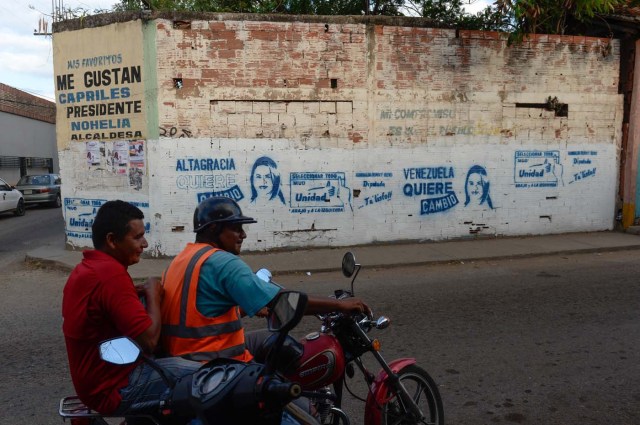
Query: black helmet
[(218, 209)]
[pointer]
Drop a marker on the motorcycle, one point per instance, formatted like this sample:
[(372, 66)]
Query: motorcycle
[(401, 393), (221, 392)]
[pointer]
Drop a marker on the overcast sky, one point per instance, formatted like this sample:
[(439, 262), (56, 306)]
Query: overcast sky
[(26, 61)]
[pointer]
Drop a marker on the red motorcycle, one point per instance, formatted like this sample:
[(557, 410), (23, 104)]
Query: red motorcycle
[(401, 393)]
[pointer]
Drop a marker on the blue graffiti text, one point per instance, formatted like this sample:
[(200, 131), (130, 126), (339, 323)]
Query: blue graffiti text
[(205, 164), (436, 205), (584, 174), (427, 173), (234, 193), (312, 198), (372, 174), (431, 188), (82, 222), (79, 235), (385, 196), (205, 181), (100, 124), (582, 153), (579, 161)]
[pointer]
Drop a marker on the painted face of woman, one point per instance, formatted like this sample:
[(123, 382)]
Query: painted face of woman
[(263, 180), (475, 187)]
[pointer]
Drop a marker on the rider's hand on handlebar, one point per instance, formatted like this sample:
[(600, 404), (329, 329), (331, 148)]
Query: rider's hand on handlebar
[(354, 305)]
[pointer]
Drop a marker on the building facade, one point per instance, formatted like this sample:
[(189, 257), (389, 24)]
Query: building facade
[(336, 131), (28, 137)]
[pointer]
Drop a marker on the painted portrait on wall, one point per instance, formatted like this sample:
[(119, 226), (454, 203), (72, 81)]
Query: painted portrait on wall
[(265, 180), (476, 187)]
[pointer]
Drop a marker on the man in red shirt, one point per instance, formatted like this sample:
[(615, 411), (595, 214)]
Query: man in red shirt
[(100, 302)]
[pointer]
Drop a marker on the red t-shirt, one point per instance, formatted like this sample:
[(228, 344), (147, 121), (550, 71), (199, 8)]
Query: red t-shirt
[(99, 303)]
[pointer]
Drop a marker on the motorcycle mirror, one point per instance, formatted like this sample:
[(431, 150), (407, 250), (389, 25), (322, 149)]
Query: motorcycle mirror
[(348, 264), (119, 351), (349, 267), (265, 275), (287, 311)]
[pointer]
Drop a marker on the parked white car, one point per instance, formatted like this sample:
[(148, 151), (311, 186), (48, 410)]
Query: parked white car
[(10, 199)]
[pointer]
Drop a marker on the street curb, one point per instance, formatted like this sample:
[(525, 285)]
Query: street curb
[(461, 260), (47, 263), (62, 266)]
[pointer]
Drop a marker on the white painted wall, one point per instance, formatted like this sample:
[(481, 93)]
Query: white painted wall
[(580, 199)]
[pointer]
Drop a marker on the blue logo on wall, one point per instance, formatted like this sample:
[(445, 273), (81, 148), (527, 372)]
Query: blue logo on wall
[(319, 192), (537, 169)]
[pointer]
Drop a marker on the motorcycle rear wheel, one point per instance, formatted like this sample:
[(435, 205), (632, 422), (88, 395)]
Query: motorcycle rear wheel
[(424, 391)]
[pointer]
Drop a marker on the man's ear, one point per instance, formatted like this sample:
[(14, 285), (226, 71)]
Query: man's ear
[(110, 240)]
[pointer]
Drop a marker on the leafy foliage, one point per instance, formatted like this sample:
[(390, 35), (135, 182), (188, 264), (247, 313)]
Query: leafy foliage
[(518, 17), (296, 7), (553, 16)]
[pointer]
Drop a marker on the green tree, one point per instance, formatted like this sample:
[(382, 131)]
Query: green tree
[(554, 16), (517, 17), (452, 13), (297, 7)]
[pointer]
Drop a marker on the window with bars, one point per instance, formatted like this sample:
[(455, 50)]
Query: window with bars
[(9, 162), (38, 162), (21, 162)]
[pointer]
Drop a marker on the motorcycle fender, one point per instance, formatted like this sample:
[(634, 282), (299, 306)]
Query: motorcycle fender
[(378, 394)]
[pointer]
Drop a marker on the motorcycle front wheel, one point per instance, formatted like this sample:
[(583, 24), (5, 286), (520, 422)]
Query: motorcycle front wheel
[(424, 391)]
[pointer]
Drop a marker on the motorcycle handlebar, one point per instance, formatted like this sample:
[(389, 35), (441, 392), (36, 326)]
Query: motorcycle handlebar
[(282, 391)]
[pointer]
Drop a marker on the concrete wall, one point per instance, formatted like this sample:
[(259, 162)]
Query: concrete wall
[(356, 132), (28, 130)]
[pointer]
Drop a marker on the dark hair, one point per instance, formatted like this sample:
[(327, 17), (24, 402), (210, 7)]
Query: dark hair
[(113, 217)]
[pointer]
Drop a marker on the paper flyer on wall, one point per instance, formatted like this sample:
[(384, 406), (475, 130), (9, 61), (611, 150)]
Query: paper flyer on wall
[(120, 159), (95, 153)]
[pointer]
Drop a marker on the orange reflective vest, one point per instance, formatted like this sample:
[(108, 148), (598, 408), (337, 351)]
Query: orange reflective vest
[(185, 331)]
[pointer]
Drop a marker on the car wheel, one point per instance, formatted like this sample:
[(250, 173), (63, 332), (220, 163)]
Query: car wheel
[(20, 208), (58, 202)]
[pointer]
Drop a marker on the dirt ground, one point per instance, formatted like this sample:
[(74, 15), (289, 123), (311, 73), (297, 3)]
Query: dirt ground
[(34, 374)]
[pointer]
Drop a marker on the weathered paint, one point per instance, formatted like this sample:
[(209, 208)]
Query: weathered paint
[(99, 87), (150, 78), (350, 132)]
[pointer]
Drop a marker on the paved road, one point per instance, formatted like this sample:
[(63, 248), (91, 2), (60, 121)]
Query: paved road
[(38, 227), (551, 340)]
